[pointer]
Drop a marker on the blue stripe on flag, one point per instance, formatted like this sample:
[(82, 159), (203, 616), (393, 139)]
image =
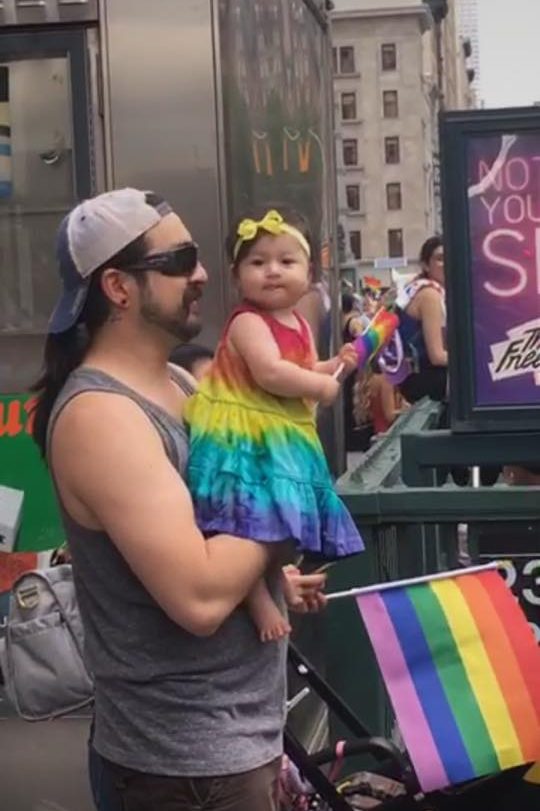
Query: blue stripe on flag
[(5, 149), (428, 685), (6, 188)]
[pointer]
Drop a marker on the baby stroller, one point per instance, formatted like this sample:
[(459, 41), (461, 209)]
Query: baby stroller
[(321, 781)]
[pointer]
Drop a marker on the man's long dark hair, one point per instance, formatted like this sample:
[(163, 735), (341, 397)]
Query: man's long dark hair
[(66, 350)]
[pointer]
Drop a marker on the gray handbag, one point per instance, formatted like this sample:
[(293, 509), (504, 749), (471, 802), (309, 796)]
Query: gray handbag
[(42, 654)]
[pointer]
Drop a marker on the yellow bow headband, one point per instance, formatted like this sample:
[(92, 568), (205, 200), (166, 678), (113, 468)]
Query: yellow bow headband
[(273, 223)]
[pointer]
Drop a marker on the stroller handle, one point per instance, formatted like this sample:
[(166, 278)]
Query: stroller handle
[(365, 746)]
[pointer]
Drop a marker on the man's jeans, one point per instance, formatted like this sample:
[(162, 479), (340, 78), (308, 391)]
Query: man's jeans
[(116, 788)]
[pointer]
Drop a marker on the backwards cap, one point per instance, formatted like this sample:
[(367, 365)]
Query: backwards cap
[(93, 232)]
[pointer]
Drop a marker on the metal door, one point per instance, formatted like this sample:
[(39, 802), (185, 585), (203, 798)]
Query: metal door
[(44, 168)]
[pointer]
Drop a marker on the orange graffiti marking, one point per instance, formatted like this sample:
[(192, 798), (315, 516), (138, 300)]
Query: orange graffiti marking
[(10, 419), (29, 407), (17, 416), (304, 155)]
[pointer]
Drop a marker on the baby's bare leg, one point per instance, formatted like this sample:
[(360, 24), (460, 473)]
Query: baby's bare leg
[(265, 613)]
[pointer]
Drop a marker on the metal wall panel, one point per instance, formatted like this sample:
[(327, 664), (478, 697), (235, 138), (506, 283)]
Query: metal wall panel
[(43, 12), (45, 169), (162, 113)]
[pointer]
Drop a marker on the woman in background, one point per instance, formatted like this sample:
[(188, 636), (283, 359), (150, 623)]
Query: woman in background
[(358, 428), (422, 313)]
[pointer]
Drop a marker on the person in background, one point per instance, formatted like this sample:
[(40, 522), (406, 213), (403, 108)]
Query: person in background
[(372, 295), (421, 307), (353, 321), (522, 476), (386, 403), (358, 430), (316, 307), (194, 358)]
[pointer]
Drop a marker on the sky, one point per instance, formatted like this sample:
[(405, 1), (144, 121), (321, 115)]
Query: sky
[(509, 52)]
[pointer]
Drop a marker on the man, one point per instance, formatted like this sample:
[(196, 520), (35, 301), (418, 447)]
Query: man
[(189, 705)]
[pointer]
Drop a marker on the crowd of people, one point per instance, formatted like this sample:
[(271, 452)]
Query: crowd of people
[(374, 398)]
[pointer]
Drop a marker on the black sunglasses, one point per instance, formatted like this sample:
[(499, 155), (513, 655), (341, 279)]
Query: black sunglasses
[(180, 262)]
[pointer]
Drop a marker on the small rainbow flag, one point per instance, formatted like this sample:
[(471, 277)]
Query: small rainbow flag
[(376, 335), (462, 668), (371, 283)]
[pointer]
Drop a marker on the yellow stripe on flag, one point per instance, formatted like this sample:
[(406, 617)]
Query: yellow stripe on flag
[(480, 673)]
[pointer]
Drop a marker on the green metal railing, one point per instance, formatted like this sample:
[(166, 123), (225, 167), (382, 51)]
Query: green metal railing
[(409, 521)]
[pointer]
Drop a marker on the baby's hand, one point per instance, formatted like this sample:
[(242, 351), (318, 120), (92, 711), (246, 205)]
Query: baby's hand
[(348, 356)]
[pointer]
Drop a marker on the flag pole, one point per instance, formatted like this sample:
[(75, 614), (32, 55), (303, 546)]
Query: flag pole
[(412, 581)]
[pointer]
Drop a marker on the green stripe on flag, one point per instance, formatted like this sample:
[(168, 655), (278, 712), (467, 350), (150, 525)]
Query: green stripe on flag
[(454, 679)]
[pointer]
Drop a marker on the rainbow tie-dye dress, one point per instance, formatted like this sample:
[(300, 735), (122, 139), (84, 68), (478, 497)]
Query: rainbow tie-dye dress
[(257, 468)]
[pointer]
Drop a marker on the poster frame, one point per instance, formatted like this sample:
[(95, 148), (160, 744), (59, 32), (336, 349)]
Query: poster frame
[(456, 129)]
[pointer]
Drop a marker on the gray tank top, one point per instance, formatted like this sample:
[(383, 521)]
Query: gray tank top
[(168, 702)]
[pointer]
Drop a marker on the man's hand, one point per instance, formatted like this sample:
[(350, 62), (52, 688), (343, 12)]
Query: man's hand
[(303, 592)]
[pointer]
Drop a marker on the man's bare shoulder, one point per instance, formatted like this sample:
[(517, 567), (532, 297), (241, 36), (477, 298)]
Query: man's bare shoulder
[(93, 423)]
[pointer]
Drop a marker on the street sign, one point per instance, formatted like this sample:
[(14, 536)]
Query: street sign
[(390, 262)]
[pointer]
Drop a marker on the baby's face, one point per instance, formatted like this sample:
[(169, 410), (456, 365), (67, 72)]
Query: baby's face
[(275, 274)]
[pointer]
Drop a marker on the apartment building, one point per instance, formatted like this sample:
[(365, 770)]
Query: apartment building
[(468, 25), (388, 92)]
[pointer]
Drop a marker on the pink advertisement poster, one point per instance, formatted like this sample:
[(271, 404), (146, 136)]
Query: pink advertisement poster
[(504, 231)]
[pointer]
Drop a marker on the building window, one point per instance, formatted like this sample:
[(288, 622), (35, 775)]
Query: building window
[(393, 196), (348, 106), (391, 149), (353, 197), (346, 59), (355, 241), (390, 104), (388, 56), (350, 152), (395, 242), (334, 60)]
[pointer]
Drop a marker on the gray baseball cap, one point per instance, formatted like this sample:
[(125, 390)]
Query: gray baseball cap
[(93, 232)]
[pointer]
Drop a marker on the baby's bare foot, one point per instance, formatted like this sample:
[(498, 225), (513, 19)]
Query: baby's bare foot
[(279, 629), (266, 615)]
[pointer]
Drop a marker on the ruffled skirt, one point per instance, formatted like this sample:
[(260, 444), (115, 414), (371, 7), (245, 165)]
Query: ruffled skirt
[(258, 475)]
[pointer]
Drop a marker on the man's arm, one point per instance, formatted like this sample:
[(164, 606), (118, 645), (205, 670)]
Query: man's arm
[(109, 463)]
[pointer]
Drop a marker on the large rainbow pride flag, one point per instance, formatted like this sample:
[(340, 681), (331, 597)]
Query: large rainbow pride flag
[(462, 668)]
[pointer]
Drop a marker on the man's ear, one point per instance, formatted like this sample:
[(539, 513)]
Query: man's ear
[(116, 286)]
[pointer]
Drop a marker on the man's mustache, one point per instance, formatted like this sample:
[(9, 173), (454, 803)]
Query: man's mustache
[(192, 293)]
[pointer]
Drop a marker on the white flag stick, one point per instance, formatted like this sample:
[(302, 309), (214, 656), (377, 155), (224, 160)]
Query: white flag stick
[(412, 581)]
